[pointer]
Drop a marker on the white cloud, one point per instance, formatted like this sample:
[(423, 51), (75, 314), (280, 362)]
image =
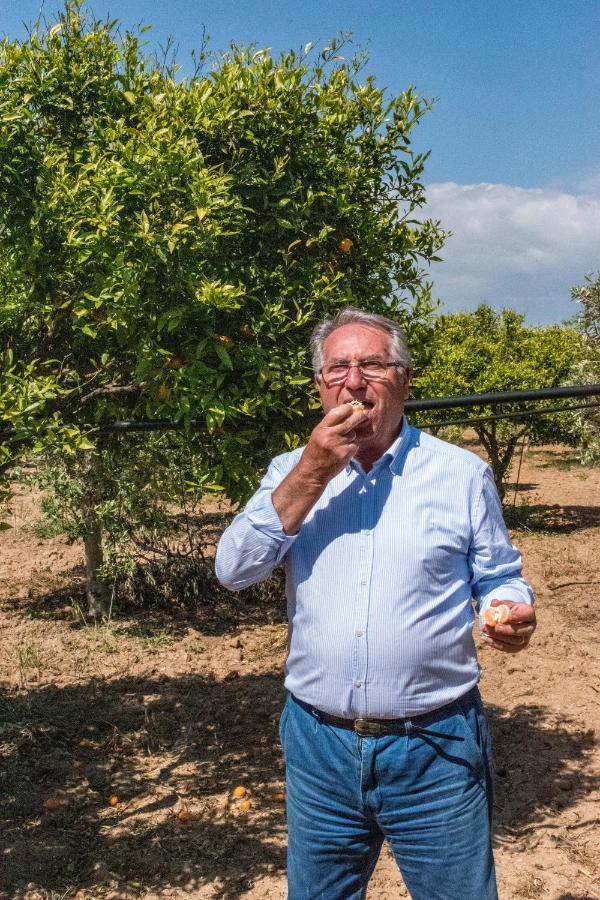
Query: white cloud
[(512, 246)]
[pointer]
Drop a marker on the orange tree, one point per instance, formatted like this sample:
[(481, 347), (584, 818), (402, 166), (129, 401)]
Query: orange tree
[(168, 244), (488, 350)]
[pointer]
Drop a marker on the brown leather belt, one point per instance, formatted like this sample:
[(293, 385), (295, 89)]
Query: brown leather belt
[(381, 727), (362, 727), (366, 727)]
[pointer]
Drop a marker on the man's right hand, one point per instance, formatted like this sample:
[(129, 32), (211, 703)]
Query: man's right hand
[(331, 446)]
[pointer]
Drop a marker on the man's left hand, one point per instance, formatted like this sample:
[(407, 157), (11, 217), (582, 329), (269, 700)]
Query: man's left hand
[(515, 634)]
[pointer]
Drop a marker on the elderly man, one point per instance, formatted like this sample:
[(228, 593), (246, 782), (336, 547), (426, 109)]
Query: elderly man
[(387, 535)]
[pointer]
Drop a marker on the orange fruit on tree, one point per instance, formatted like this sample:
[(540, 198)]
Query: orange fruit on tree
[(245, 805), (346, 245), (239, 792), (224, 339), (164, 392), (113, 800)]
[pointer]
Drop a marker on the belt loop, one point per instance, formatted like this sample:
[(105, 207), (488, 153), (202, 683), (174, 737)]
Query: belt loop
[(408, 725)]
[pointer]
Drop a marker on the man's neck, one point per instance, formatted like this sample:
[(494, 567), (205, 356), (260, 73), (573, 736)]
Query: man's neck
[(369, 456)]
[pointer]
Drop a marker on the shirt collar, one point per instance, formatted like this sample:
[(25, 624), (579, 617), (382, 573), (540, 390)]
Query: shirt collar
[(394, 455)]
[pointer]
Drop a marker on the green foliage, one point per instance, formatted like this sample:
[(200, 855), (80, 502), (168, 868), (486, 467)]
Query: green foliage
[(587, 370), (167, 244), (494, 351), (136, 490)]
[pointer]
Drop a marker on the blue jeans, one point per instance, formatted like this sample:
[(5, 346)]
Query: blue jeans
[(428, 792)]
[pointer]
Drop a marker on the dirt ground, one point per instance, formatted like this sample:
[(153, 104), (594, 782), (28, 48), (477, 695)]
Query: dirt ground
[(121, 743)]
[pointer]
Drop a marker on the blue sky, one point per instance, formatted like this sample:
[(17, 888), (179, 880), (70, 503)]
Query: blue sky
[(514, 170)]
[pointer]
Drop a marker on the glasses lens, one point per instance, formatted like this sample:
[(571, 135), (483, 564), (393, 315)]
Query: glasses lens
[(335, 374), (373, 369)]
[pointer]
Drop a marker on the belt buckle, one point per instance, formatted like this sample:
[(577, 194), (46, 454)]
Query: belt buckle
[(367, 728)]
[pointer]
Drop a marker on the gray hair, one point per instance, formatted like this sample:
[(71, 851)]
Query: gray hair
[(351, 315)]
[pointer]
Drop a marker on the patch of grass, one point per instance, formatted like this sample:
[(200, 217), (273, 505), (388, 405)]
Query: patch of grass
[(152, 637), (30, 659), (562, 460), (45, 529), (532, 887), (564, 465), (152, 734), (524, 518), (153, 642), (105, 646), (29, 656)]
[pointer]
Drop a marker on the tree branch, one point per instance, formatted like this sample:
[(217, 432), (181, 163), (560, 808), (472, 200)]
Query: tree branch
[(109, 389)]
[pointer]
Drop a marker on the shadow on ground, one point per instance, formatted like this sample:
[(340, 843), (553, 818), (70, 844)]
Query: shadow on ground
[(164, 596), (576, 897), (154, 742), (552, 519), (541, 767), (513, 486)]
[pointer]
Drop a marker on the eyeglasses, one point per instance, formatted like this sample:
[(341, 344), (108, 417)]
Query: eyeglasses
[(370, 370)]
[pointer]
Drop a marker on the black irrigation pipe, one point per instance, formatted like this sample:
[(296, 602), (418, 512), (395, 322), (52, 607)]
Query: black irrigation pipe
[(495, 398), (510, 415)]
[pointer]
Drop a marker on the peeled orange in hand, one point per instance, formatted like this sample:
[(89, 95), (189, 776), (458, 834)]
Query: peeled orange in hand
[(496, 615)]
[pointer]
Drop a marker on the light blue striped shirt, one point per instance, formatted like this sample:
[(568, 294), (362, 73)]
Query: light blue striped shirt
[(380, 577)]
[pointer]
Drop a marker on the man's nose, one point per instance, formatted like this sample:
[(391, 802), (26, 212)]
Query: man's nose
[(355, 377)]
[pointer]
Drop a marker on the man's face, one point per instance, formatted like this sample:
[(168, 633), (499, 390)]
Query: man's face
[(383, 400)]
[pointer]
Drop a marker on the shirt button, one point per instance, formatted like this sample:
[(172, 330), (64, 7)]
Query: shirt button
[(359, 633), (363, 581), (358, 684)]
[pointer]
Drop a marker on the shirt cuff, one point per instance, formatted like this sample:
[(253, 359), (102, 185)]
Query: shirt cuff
[(265, 519)]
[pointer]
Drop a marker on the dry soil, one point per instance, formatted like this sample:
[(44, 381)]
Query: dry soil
[(121, 743)]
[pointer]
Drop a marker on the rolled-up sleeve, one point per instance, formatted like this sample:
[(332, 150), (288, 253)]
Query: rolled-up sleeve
[(495, 564), (255, 542)]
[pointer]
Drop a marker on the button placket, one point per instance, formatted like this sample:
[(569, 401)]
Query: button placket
[(367, 497)]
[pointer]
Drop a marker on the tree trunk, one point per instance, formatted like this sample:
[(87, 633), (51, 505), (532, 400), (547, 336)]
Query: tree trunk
[(96, 590), (500, 457)]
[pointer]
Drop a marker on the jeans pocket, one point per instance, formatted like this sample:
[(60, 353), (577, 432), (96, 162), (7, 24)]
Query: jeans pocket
[(283, 719), (477, 729), (473, 737)]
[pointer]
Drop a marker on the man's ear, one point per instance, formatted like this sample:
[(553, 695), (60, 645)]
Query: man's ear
[(318, 381)]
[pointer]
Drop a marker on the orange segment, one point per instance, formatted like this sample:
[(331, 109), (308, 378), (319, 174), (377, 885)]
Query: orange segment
[(496, 615)]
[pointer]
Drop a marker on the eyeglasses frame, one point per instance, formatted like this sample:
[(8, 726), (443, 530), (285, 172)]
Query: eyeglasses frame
[(357, 365)]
